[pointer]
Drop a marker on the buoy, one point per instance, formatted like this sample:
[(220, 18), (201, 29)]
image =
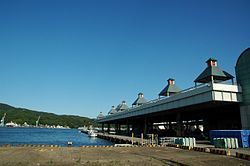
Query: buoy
[(70, 143)]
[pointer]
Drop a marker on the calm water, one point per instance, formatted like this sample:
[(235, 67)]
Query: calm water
[(17, 136)]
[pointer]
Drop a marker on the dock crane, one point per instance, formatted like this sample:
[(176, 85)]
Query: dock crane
[(2, 120), (37, 122)]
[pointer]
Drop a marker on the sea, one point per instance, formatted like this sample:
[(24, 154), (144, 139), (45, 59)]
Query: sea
[(46, 136)]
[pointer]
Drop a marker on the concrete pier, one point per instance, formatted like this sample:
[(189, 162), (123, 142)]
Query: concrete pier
[(125, 139)]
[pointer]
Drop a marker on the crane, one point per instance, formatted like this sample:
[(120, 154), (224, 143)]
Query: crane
[(37, 121), (2, 120)]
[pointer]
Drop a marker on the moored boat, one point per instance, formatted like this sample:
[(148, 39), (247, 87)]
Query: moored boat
[(11, 124), (92, 133)]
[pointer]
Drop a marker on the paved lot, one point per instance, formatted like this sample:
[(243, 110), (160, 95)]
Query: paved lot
[(140, 156)]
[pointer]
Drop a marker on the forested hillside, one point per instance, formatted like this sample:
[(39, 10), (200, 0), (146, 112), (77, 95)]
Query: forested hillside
[(22, 115)]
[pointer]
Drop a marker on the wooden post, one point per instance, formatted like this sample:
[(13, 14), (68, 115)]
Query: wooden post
[(132, 138), (152, 139), (142, 139)]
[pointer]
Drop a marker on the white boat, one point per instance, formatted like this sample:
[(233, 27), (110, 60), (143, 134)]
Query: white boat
[(11, 124), (92, 133)]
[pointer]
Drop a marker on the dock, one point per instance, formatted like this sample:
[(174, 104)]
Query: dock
[(120, 139)]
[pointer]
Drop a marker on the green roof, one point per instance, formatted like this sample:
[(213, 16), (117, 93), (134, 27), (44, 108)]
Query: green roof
[(122, 107), (217, 73), (140, 100), (100, 116), (169, 89), (112, 111)]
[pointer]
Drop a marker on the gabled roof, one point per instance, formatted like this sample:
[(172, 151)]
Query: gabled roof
[(169, 89), (140, 100), (216, 72)]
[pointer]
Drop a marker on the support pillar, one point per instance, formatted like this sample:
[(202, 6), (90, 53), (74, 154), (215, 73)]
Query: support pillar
[(206, 127), (179, 125), (103, 127), (145, 128), (245, 117), (108, 128), (116, 128), (119, 128), (128, 128)]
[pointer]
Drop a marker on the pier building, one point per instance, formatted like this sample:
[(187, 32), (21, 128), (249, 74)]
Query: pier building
[(215, 102)]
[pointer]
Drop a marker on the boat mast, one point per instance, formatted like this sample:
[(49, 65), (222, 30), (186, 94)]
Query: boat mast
[(2, 120)]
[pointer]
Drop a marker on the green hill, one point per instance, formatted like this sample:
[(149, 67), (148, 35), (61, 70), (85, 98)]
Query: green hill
[(21, 115)]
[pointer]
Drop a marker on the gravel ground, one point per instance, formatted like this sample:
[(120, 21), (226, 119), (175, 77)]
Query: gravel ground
[(111, 156)]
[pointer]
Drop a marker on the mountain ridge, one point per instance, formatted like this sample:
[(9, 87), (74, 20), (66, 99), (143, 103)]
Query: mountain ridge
[(22, 115)]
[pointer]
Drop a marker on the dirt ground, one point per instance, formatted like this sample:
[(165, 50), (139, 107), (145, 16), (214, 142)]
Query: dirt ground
[(114, 156)]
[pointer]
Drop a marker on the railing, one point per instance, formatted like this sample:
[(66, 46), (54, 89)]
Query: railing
[(166, 140), (183, 91), (166, 97), (162, 98)]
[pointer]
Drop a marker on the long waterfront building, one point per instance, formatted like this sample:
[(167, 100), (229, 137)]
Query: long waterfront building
[(216, 101)]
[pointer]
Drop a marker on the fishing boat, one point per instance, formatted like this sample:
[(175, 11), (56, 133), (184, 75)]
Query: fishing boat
[(11, 124), (92, 133)]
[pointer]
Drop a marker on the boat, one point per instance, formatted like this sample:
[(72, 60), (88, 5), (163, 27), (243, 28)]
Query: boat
[(92, 133), (83, 129), (11, 124)]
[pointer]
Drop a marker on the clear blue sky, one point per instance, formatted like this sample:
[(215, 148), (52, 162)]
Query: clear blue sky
[(81, 57)]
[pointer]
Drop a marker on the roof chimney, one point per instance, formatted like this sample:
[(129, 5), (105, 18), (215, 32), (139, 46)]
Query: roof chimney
[(112, 111), (211, 62), (140, 100), (212, 73), (100, 116), (170, 89), (140, 95), (170, 81)]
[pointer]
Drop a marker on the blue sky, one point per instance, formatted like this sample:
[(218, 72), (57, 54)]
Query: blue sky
[(81, 57)]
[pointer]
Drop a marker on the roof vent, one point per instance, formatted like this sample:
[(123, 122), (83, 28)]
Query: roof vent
[(170, 89), (112, 111), (213, 73), (100, 116), (140, 95), (140, 100), (211, 62), (171, 81), (122, 107)]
